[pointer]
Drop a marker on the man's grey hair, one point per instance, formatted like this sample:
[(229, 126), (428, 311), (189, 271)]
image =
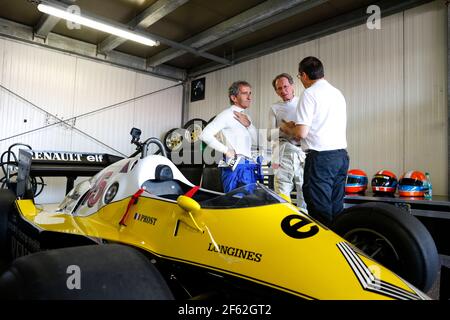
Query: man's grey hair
[(282, 75), (233, 90)]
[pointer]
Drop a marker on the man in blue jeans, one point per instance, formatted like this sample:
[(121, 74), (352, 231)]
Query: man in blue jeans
[(237, 136), (321, 123)]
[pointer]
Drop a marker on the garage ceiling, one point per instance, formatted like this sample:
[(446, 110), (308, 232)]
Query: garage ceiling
[(196, 36)]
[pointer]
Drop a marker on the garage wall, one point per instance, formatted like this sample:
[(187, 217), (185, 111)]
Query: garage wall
[(394, 81), (276, 63), (217, 83), (425, 110), (367, 66), (67, 87)]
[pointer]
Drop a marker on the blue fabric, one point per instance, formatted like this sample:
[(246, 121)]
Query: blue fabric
[(246, 172), (324, 183)]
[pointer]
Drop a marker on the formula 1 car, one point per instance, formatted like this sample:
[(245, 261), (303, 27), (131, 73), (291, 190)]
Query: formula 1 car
[(140, 230)]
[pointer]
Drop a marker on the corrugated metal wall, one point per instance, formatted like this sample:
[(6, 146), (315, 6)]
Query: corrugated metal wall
[(425, 111), (68, 86), (394, 81), (274, 64), (217, 84), (367, 66)]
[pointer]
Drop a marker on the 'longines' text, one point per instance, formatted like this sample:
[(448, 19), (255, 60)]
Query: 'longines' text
[(236, 252)]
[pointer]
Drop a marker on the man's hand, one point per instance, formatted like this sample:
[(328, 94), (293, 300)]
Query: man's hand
[(294, 131), (230, 153), (287, 127), (242, 118), (275, 165)]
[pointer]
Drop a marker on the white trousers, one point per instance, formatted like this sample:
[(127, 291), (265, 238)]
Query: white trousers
[(290, 172)]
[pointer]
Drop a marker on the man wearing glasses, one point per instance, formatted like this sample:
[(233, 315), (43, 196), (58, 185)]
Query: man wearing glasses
[(321, 125), (238, 168)]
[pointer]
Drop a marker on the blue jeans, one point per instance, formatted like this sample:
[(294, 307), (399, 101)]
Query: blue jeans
[(246, 172), (324, 183)]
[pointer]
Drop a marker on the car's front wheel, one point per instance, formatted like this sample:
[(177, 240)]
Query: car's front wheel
[(87, 272), (394, 238)]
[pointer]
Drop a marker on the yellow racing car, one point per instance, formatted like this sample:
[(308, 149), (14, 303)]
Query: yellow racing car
[(140, 230)]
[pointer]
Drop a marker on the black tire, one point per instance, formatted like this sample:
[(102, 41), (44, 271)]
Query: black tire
[(394, 238), (194, 128), (7, 198), (104, 271)]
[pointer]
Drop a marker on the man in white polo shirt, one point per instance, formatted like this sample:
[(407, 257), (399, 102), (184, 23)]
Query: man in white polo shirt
[(238, 133), (321, 124)]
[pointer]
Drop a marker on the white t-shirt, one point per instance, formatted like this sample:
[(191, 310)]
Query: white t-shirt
[(322, 108), (236, 136), (283, 110)]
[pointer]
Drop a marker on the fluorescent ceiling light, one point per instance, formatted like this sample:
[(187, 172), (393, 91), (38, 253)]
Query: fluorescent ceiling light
[(88, 22)]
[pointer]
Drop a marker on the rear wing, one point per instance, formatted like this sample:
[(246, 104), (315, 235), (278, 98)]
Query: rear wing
[(69, 164), (30, 164)]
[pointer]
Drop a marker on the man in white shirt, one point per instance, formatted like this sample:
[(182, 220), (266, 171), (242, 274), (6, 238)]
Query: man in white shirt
[(321, 124), (239, 133), (287, 156)]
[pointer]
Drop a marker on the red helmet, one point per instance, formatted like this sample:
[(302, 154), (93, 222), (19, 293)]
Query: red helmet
[(412, 184), (384, 181), (356, 181)]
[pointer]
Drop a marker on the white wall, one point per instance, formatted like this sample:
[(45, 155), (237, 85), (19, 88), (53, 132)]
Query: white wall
[(394, 81), (69, 86), (425, 110), (367, 66)]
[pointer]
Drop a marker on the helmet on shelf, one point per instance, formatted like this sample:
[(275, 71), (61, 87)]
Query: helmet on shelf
[(356, 181), (412, 184), (384, 181)]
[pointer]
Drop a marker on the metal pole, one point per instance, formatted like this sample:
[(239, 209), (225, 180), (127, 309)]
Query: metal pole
[(186, 99)]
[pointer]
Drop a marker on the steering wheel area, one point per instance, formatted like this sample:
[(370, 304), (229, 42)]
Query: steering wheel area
[(156, 141)]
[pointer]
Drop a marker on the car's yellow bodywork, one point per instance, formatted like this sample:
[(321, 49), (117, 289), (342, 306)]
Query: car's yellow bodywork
[(273, 245)]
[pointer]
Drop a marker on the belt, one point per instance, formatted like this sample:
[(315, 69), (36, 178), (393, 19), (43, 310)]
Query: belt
[(244, 157), (238, 155), (315, 151)]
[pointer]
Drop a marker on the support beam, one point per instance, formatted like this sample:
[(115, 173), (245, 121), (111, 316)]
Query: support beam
[(45, 25), (305, 6), (186, 48), (170, 43), (321, 29), (145, 19), (186, 101), (245, 20), (23, 33)]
